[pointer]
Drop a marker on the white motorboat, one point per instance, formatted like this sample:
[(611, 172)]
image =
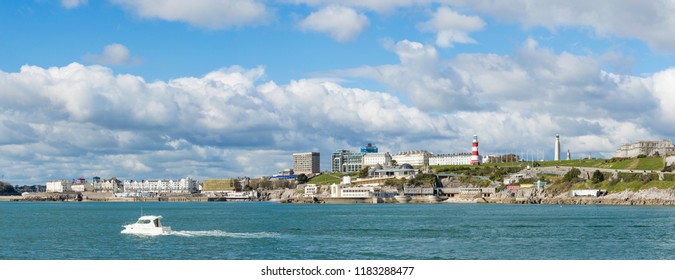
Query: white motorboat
[(147, 225)]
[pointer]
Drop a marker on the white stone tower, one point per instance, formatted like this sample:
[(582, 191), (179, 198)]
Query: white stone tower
[(557, 147), (569, 156)]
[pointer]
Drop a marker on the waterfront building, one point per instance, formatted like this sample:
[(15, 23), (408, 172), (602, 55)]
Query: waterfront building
[(184, 186), (311, 190), (349, 191), (369, 149), (286, 172), (414, 158), (450, 159), (468, 192), (110, 185), (412, 190), (283, 177), (402, 171), (59, 186), (306, 163), (346, 161), (81, 187), (241, 195), (648, 148), (501, 158), (372, 159), (556, 149)]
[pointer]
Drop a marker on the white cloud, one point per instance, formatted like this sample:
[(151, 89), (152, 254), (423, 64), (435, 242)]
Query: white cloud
[(211, 14), (451, 27), (340, 23), (649, 21), (113, 54), (84, 121), (529, 94), (71, 4)]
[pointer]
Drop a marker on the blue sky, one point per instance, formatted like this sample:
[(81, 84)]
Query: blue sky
[(221, 88)]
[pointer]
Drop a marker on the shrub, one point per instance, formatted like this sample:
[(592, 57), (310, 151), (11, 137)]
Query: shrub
[(572, 174), (597, 177)]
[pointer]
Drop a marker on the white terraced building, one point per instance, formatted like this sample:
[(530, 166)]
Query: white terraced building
[(450, 159), (648, 148), (184, 186), (371, 159), (59, 186), (414, 158)]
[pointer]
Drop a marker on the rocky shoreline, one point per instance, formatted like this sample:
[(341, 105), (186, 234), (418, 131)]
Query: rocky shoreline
[(653, 196)]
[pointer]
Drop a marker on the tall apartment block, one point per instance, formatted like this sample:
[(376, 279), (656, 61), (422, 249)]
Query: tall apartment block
[(306, 163)]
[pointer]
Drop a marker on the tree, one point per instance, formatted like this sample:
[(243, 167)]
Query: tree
[(597, 177), (572, 174), (7, 189), (364, 172), (301, 179), (264, 184)]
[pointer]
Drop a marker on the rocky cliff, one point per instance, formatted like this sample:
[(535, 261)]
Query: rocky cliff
[(651, 196)]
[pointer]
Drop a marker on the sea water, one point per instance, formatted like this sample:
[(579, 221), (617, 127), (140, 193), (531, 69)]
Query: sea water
[(263, 230)]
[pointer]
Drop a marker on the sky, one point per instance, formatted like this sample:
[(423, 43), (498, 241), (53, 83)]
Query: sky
[(165, 89)]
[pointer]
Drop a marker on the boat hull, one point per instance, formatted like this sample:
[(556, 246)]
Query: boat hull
[(151, 231)]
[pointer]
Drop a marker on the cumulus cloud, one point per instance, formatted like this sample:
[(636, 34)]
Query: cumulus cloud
[(83, 121), (89, 121), (451, 27), (113, 54), (71, 4), (340, 23), (649, 21), (528, 94), (418, 77), (211, 14)]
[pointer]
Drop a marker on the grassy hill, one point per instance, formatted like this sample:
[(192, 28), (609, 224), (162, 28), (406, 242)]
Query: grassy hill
[(611, 186), (636, 163), (326, 179), (633, 164)]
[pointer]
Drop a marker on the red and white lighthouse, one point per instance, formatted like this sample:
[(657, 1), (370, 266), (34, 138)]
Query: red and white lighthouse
[(475, 160)]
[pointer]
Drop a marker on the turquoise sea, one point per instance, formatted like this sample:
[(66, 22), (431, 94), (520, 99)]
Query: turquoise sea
[(262, 231)]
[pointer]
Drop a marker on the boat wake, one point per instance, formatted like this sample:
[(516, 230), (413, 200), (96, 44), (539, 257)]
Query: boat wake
[(220, 233)]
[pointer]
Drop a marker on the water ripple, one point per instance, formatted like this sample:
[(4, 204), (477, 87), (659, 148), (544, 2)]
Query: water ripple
[(220, 233)]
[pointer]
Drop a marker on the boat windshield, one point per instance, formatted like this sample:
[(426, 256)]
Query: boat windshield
[(144, 222)]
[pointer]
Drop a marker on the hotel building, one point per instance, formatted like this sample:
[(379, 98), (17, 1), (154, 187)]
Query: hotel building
[(306, 163)]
